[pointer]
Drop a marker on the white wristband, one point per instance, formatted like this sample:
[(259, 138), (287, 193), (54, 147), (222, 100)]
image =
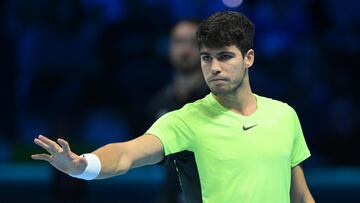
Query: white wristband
[(92, 169)]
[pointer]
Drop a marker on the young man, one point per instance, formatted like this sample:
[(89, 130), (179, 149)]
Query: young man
[(247, 147)]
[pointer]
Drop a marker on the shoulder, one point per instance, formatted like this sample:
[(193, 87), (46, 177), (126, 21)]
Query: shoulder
[(191, 109), (275, 106)]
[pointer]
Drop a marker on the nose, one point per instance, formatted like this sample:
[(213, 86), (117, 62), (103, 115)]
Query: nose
[(215, 67)]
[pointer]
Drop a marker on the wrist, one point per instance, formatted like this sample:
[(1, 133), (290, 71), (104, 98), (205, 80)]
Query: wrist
[(92, 168)]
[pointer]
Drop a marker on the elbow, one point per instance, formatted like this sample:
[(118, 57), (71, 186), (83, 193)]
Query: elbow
[(311, 200), (306, 200), (303, 199), (114, 160), (124, 165), (122, 169)]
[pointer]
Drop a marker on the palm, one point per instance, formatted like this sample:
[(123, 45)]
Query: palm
[(61, 157), (65, 162)]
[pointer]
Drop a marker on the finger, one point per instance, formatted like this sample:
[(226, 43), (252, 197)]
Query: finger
[(45, 146), (45, 157), (64, 144), (50, 143)]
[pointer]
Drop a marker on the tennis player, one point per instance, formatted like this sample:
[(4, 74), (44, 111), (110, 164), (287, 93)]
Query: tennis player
[(247, 148)]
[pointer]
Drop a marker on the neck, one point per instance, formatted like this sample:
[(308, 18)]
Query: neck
[(242, 101)]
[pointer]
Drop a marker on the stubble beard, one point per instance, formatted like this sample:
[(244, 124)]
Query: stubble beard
[(227, 90)]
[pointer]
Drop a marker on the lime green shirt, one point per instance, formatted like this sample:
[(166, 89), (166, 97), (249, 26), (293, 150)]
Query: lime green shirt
[(245, 159)]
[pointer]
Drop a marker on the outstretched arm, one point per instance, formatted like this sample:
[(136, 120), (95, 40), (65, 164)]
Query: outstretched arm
[(300, 192), (115, 158), (118, 158)]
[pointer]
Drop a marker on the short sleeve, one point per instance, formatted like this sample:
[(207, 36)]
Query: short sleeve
[(174, 133), (300, 151)]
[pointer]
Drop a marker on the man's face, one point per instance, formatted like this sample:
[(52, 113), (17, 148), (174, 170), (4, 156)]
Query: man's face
[(184, 53), (225, 68)]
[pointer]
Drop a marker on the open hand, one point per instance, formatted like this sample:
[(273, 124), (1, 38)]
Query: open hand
[(61, 157)]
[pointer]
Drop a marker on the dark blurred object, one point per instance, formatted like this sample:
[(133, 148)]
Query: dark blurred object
[(7, 81), (186, 86), (342, 134)]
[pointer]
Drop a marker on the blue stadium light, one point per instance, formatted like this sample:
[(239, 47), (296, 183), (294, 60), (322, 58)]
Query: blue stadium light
[(232, 3)]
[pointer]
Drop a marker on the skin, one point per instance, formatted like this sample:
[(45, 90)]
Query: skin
[(115, 158), (226, 73), (299, 191)]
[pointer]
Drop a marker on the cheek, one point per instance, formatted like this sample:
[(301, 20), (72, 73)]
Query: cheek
[(229, 69), (237, 71), (240, 73), (204, 69), (203, 65)]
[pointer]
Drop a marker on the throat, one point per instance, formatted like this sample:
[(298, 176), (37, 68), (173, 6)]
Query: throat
[(246, 105)]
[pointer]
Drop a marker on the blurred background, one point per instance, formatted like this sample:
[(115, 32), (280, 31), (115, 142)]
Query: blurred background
[(85, 70)]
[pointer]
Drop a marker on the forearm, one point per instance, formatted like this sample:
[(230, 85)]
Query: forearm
[(117, 158), (113, 160), (299, 192), (107, 161)]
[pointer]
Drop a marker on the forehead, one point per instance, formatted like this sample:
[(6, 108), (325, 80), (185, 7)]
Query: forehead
[(212, 51)]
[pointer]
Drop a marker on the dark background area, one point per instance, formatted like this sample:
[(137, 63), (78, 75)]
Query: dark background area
[(84, 70)]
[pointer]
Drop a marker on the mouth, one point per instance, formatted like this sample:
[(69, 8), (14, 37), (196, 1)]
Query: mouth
[(218, 80)]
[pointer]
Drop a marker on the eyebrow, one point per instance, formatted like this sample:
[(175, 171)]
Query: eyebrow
[(204, 53), (218, 54)]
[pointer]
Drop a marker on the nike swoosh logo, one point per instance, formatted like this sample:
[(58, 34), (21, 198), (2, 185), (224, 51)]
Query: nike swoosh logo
[(247, 128)]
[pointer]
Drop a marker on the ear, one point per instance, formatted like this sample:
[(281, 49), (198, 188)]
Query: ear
[(249, 58)]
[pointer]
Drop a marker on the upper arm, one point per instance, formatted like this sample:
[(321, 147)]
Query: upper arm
[(299, 151), (144, 150), (299, 189)]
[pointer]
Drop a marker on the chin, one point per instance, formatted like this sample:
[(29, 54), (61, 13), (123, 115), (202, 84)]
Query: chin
[(221, 91), (218, 92)]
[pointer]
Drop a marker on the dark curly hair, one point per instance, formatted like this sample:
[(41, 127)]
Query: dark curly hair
[(225, 29)]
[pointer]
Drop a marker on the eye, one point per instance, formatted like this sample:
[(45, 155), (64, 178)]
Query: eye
[(205, 58), (225, 57)]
